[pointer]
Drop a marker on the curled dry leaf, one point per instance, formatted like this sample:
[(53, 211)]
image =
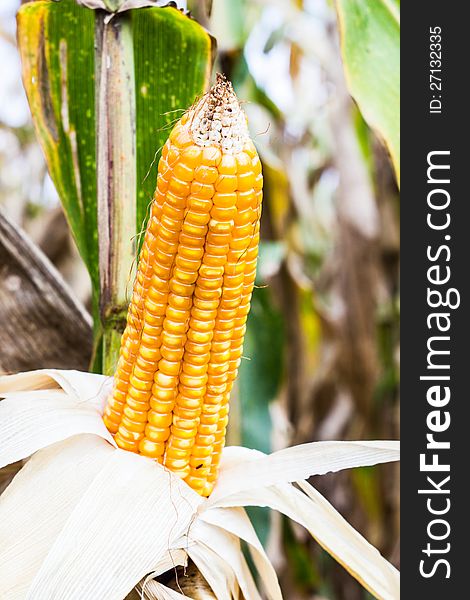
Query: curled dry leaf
[(85, 519)]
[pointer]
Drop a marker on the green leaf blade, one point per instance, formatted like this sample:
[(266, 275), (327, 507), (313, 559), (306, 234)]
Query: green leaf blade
[(370, 43), (173, 56), (56, 42)]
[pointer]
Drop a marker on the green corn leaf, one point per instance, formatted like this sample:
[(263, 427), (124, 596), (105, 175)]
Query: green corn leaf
[(370, 42), (104, 94), (56, 42)]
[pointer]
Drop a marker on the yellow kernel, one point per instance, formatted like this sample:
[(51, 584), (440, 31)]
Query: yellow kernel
[(169, 222), (197, 218), (156, 308), (211, 156), (228, 165), (174, 327), (181, 137), (194, 230), (125, 444), (173, 212), (183, 289), (244, 164), (190, 398), (193, 381), (204, 440), (204, 294), (179, 302), (250, 149), (218, 380), (216, 389), (218, 240), (157, 296), (135, 415), (163, 404), (184, 276), (207, 419), (183, 171), (220, 357), (207, 283), (243, 217), (200, 337), (191, 156), (205, 429), (219, 213), (226, 183), (206, 304), (151, 449), (159, 420), (173, 340), (169, 367), (205, 174), (172, 354), (111, 425), (200, 462), (144, 385), (178, 466), (222, 227), (227, 200), (202, 190), (185, 434), (165, 381), (186, 413), (157, 434), (175, 453), (191, 252), (213, 250), (175, 200), (221, 346), (201, 451), (169, 235), (201, 325), (137, 395), (196, 483), (196, 353), (217, 369), (180, 423), (194, 370), (199, 313), (201, 205), (237, 243), (191, 241), (129, 434), (246, 199)]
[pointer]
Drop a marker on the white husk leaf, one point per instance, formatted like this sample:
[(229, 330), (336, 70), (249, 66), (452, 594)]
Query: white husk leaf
[(236, 521), (215, 571), (227, 547), (243, 468), (36, 505), (116, 543), (84, 519), (330, 530)]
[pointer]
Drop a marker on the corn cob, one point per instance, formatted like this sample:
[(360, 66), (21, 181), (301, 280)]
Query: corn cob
[(183, 342)]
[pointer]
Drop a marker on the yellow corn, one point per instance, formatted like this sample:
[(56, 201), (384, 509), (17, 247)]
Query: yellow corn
[(183, 342)]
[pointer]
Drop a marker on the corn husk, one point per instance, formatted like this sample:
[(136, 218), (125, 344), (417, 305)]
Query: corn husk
[(83, 519)]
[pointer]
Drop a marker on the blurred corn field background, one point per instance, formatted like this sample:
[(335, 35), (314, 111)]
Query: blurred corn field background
[(321, 350)]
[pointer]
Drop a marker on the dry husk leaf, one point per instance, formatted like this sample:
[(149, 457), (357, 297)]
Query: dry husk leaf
[(84, 519)]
